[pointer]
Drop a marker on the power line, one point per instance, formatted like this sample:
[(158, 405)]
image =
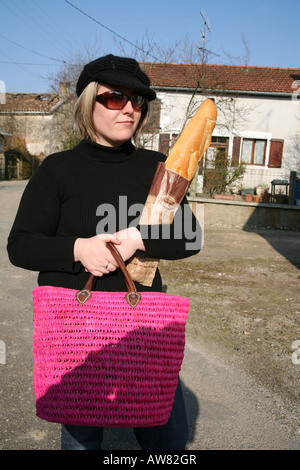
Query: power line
[(30, 63), (110, 30), (30, 50), (23, 20), (19, 65), (37, 27), (53, 27)]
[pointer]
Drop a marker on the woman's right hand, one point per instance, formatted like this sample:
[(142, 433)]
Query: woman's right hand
[(94, 254)]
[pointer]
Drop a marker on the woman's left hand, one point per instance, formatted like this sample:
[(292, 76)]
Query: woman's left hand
[(131, 241)]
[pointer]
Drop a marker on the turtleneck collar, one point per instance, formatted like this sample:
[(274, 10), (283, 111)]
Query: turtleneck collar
[(117, 154)]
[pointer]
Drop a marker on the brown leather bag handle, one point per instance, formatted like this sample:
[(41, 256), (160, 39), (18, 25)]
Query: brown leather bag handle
[(132, 296)]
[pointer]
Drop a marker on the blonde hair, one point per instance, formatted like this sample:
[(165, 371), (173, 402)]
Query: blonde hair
[(83, 115)]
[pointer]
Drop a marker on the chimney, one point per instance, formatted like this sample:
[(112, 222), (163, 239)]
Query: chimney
[(64, 90)]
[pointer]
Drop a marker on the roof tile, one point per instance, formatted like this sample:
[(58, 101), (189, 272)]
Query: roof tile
[(37, 102), (225, 77)]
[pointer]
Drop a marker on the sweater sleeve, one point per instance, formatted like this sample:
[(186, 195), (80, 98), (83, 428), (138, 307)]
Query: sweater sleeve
[(32, 243), (181, 239)]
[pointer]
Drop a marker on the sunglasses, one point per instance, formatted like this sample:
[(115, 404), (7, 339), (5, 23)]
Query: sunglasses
[(117, 100)]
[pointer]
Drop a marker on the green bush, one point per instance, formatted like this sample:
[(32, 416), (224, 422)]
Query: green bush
[(221, 174)]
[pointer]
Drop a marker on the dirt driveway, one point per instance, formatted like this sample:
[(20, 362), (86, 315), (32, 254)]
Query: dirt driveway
[(240, 372), (245, 298)]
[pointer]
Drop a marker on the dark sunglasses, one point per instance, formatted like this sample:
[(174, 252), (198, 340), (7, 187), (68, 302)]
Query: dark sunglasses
[(118, 100)]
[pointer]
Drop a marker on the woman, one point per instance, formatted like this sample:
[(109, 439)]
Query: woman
[(62, 227)]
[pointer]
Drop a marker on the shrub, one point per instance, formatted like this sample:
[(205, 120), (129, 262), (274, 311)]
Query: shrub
[(221, 175)]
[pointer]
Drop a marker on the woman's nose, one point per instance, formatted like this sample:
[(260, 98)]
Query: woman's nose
[(128, 108)]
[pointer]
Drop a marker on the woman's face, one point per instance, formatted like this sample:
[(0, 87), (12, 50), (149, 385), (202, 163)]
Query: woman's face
[(114, 127)]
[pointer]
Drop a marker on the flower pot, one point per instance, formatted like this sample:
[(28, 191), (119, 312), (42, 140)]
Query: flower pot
[(248, 197), (256, 198), (280, 198), (265, 197)]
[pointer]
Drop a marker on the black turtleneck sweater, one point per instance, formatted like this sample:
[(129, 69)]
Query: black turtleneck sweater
[(64, 200)]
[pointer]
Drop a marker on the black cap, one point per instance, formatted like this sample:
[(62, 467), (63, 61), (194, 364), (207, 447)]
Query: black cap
[(116, 71)]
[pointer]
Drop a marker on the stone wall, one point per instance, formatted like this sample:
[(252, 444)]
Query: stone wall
[(43, 133), (249, 215)]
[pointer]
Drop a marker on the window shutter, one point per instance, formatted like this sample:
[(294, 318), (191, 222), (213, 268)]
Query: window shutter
[(276, 150), (153, 121), (164, 143), (236, 151)]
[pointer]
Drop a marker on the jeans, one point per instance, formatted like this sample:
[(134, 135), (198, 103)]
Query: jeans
[(171, 436)]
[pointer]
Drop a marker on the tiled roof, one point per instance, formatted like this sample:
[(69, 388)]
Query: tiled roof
[(225, 77), (26, 102)]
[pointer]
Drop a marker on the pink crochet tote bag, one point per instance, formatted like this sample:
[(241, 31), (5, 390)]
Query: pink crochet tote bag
[(107, 359)]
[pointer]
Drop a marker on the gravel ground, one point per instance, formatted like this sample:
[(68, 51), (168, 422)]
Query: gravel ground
[(240, 372)]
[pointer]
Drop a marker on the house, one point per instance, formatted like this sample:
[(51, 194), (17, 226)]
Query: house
[(39, 120), (258, 113)]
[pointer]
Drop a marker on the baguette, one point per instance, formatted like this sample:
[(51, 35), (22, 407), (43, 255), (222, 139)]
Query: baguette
[(172, 180), (194, 140)]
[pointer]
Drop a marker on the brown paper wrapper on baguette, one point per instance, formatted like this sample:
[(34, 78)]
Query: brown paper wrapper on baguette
[(165, 196)]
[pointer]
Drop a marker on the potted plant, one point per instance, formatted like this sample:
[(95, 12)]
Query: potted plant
[(247, 191), (261, 188), (265, 197), (280, 197)]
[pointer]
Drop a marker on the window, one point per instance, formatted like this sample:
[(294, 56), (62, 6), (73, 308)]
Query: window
[(254, 151), (218, 146), (166, 142)]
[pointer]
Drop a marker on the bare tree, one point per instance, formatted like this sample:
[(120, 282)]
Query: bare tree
[(293, 150), (240, 60), (64, 84), (74, 63), (147, 49)]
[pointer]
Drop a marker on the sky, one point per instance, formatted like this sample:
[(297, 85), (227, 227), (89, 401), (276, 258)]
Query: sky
[(37, 36)]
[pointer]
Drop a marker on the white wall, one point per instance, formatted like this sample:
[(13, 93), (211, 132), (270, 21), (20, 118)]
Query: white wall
[(252, 117)]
